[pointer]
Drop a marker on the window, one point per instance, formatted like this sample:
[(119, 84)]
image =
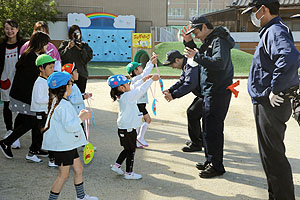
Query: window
[(176, 13), (192, 12)]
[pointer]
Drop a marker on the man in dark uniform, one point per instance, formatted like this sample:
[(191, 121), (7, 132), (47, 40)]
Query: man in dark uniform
[(214, 59), (188, 82), (273, 75)]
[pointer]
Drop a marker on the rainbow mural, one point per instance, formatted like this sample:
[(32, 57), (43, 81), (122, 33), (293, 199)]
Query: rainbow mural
[(100, 15)]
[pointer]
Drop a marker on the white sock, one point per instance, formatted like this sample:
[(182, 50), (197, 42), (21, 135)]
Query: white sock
[(138, 131), (143, 130)]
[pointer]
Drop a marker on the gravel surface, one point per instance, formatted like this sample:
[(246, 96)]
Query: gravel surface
[(168, 173)]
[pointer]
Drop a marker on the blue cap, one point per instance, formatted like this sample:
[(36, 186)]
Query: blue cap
[(57, 79), (117, 80)]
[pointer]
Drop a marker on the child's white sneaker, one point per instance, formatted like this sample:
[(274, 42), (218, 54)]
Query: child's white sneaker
[(33, 158), (142, 142), (116, 169), (52, 164), (16, 144), (87, 197), (132, 176)]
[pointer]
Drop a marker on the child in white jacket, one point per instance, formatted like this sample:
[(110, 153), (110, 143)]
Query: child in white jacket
[(136, 73), (64, 134), (129, 118), (76, 98)]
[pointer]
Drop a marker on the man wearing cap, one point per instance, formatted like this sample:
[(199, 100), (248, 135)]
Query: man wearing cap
[(273, 74), (216, 74), (188, 82)]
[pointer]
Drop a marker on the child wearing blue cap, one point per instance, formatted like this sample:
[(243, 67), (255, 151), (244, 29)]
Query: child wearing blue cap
[(129, 118), (63, 134), (136, 73)]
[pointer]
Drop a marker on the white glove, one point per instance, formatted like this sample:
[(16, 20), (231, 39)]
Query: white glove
[(275, 100)]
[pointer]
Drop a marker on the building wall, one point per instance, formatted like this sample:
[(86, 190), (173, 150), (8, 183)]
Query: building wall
[(247, 41), (236, 22), (250, 47), (217, 19), (246, 25), (180, 11), (148, 13)]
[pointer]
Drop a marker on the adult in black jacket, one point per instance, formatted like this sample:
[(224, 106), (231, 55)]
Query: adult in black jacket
[(9, 55), (76, 51), (20, 96), (188, 82), (214, 58)]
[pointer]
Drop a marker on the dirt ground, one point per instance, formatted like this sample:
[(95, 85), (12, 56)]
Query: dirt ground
[(168, 173)]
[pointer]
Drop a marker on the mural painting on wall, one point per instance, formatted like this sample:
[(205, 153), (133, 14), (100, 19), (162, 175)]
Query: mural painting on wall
[(107, 34)]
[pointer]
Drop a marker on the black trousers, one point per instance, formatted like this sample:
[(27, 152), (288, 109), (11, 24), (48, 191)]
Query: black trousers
[(41, 121), (24, 123), (215, 109), (128, 141), (7, 115), (81, 83), (270, 125), (194, 115)]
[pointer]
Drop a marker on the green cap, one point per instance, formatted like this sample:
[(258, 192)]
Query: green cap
[(131, 66), (43, 59)]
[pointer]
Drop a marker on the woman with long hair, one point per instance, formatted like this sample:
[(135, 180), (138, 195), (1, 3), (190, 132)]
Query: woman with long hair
[(51, 50), (9, 55), (20, 98)]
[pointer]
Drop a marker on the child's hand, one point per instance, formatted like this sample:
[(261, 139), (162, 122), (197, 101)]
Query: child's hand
[(84, 114), (146, 77), (87, 95), (153, 59), (155, 77)]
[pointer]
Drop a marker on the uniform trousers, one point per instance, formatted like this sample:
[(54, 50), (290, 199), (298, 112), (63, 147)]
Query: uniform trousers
[(271, 125), (215, 109), (194, 115)]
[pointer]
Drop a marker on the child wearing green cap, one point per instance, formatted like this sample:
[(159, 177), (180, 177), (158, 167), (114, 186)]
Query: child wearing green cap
[(136, 73), (39, 103)]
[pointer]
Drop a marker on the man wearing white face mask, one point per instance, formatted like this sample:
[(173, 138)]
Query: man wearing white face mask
[(273, 76)]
